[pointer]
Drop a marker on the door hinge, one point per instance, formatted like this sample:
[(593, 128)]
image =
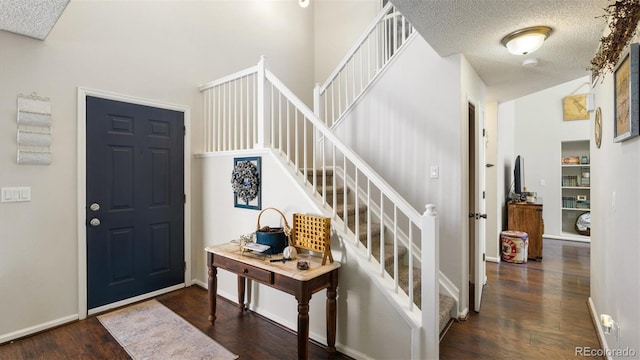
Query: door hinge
[(484, 132), (484, 194), (484, 257), (184, 129), (185, 266), (184, 198)]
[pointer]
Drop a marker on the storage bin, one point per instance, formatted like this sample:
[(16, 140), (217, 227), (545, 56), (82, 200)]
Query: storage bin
[(515, 246)]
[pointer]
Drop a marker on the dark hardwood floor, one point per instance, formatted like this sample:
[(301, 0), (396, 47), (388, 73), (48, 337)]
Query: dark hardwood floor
[(536, 310), (248, 335), (530, 311)]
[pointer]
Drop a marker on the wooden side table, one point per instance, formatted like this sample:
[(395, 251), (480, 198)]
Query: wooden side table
[(282, 276)]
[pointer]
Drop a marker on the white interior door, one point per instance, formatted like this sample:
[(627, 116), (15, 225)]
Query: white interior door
[(480, 211)]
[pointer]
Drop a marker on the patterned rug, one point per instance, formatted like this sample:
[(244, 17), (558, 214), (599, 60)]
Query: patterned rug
[(149, 330)]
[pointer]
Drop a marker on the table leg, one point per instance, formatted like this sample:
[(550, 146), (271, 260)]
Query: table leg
[(241, 291), (332, 313), (213, 288), (303, 328)]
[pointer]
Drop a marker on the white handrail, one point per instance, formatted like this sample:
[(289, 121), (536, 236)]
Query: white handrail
[(357, 45), (393, 195), (228, 78), (375, 48)]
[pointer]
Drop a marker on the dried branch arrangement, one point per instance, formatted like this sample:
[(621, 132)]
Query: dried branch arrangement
[(622, 17)]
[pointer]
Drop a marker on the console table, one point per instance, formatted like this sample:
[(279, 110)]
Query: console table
[(283, 276)]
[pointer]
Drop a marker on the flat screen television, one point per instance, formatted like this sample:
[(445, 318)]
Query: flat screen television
[(518, 176)]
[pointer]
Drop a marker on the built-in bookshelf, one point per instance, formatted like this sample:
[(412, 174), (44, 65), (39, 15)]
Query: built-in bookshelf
[(575, 183)]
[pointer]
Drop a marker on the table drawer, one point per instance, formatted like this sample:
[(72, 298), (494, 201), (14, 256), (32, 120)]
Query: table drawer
[(242, 269)]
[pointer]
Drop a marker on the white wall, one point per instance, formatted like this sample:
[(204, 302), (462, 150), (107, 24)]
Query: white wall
[(494, 221), (158, 51), (338, 24), (539, 131), (615, 207), (359, 330), (504, 163), (410, 120)]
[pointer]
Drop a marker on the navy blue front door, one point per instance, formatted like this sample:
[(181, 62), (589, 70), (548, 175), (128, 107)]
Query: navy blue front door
[(135, 200)]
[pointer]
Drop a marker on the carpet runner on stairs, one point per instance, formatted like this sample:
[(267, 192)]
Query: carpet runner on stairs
[(446, 302)]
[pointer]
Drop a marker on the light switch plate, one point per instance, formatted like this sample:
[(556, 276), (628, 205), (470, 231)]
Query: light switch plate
[(15, 194)]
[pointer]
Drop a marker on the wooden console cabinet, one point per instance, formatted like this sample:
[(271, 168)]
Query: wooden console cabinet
[(527, 217)]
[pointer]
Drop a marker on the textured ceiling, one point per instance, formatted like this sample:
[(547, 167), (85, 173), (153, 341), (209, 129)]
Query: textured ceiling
[(475, 27), (33, 18)]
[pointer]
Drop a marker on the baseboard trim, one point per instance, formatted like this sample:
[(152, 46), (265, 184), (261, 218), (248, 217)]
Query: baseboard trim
[(37, 328), (576, 238), (493, 259), (200, 283), (595, 319), (463, 314)]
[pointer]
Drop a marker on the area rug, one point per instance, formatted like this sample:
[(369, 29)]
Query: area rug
[(150, 330)]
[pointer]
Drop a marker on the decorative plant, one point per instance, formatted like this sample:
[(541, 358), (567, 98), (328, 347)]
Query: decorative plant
[(622, 17)]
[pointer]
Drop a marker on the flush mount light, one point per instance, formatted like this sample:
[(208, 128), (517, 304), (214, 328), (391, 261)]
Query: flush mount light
[(304, 3), (527, 40)]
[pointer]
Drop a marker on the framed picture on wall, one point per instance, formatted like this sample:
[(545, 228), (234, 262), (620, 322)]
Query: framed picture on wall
[(626, 95), (246, 183)]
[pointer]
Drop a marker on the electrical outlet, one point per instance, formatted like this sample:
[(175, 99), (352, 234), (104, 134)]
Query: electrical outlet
[(435, 172)]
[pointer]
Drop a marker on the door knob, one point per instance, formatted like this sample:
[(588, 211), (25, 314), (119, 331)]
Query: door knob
[(94, 222), (94, 207), (484, 216)]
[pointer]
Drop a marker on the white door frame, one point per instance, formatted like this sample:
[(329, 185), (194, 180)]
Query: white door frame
[(82, 194)]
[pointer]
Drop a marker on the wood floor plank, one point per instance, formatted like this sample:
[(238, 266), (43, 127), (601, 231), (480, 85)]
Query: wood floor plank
[(246, 334), (536, 310)]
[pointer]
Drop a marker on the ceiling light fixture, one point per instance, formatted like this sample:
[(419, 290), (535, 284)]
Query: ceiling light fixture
[(304, 3), (527, 40)]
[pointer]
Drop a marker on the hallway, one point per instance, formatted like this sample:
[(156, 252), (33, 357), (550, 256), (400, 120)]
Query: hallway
[(536, 310)]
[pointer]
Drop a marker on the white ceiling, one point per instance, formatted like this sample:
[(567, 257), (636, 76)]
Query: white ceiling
[(475, 27), (33, 18), (470, 27)]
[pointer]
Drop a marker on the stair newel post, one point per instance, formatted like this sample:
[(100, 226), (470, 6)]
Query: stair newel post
[(263, 105), (430, 284)]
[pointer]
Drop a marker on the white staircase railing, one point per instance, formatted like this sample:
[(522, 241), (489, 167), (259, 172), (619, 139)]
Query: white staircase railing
[(254, 109), (362, 64)]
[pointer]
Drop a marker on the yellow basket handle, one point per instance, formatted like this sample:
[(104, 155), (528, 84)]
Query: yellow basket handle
[(286, 228)]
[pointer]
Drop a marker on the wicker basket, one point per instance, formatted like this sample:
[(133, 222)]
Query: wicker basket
[(276, 238), (313, 233)]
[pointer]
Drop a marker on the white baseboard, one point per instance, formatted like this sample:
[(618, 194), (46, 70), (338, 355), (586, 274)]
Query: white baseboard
[(37, 328), (595, 318), (464, 313), (493, 259), (576, 238), (200, 283)]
